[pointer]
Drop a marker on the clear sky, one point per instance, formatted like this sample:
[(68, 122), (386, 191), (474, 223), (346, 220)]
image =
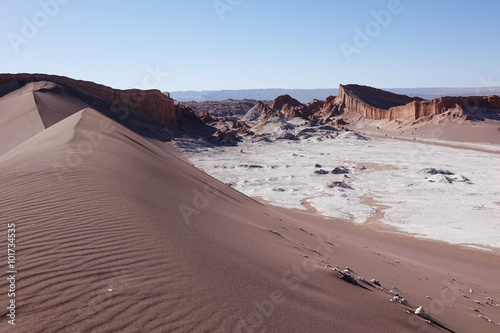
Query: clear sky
[(246, 44)]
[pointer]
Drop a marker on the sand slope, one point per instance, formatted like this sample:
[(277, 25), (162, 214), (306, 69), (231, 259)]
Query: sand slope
[(29, 110), (38, 105), (117, 235)]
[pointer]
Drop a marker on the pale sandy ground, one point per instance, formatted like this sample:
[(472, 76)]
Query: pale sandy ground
[(439, 128), (105, 244)]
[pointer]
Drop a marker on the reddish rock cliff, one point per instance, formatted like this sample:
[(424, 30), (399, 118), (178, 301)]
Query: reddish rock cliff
[(378, 104), (152, 103)]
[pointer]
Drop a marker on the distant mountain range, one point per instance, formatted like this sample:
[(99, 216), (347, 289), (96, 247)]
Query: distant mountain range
[(303, 95), (307, 95)]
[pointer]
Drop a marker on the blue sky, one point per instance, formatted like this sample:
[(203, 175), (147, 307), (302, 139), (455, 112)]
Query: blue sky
[(246, 44)]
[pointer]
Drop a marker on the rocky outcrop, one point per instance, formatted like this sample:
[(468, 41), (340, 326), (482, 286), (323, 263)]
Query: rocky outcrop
[(227, 135), (267, 111), (291, 112), (205, 117), (283, 100), (330, 108), (372, 103), (282, 107), (229, 131), (378, 104), (315, 106), (290, 107), (151, 103)]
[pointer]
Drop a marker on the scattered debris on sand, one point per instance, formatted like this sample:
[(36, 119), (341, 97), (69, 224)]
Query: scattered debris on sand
[(433, 171), (443, 176), (346, 276), (275, 232), (250, 166), (420, 311), (340, 170), (339, 184), (398, 299)]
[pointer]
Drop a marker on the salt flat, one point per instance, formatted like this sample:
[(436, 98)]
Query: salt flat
[(386, 185)]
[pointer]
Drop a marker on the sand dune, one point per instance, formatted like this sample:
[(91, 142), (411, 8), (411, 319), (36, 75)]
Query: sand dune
[(114, 234), (38, 105), (31, 109)]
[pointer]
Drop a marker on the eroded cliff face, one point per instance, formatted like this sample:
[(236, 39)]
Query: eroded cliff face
[(327, 109), (151, 103), (377, 104)]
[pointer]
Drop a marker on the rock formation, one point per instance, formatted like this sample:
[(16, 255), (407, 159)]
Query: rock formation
[(378, 104), (290, 107), (370, 103), (151, 103), (283, 100), (330, 108), (282, 107), (315, 106), (206, 117), (267, 111)]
